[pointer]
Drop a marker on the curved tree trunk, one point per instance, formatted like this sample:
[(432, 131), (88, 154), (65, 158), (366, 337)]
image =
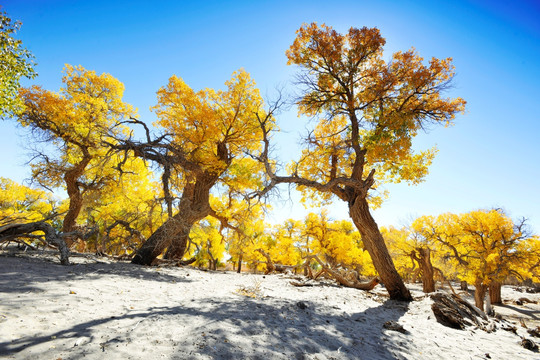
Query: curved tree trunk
[(173, 234), (51, 236), (495, 292), (376, 247), (71, 177)]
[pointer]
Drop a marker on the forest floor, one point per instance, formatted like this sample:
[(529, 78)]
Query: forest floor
[(103, 309)]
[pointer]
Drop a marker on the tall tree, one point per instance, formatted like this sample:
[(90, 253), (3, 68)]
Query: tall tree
[(209, 136), (16, 62), (73, 125), (369, 111)]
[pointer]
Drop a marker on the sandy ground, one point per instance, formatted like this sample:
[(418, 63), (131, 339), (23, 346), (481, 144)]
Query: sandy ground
[(99, 309)]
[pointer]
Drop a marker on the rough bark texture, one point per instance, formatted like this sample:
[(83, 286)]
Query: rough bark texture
[(495, 292), (479, 294), (452, 311), (427, 270), (71, 178), (342, 280), (376, 247), (51, 236), (173, 235), (423, 257)]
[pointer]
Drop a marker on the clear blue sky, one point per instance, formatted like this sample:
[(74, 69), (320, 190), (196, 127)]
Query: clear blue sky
[(490, 158)]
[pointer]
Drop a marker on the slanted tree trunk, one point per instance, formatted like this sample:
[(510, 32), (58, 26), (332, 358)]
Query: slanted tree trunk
[(376, 247), (495, 292), (479, 293), (173, 234), (270, 268)]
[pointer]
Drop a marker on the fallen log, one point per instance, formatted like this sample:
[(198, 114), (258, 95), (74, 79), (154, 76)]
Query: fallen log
[(452, 311), (352, 283), (52, 237)]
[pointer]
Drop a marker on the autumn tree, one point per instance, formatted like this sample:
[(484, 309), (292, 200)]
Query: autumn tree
[(207, 244), (73, 124), (19, 203), (28, 216), (484, 247), (16, 62), (369, 111), (125, 211), (492, 240), (207, 140)]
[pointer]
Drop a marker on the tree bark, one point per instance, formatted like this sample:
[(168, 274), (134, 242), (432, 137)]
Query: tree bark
[(51, 236), (428, 284), (495, 292), (376, 247), (74, 193), (173, 234), (479, 293), (239, 269)]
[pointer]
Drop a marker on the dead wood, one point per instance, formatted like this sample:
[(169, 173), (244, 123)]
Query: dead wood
[(524, 300), (452, 311), (299, 284), (342, 280), (52, 237)]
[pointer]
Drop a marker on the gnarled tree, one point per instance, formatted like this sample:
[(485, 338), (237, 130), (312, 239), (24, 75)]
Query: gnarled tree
[(73, 124), (209, 136), (369, 111)]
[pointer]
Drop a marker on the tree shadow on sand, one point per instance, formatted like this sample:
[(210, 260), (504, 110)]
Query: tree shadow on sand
[(23, 274), (235, 328)]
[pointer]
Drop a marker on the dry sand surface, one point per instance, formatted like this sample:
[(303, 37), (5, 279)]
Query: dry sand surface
[(100, 309)]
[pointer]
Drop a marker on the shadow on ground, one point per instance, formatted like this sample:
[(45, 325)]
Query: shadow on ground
[(239, 328), (21, 274)]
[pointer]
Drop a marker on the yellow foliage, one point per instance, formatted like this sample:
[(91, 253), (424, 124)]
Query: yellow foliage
[(370, 109), (19, 203)]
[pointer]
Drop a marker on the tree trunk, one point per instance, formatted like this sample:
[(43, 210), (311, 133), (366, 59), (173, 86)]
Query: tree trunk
[(173, 234), (74, 193), (51, 236), (479, 294), (239, 270), (428, 284), (376, 247), (495, 292)]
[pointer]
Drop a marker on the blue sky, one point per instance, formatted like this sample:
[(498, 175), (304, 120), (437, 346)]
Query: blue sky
[(489, 158)]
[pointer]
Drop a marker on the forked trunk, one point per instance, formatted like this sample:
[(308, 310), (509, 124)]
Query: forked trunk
[(376, 247), (495, 292), (479, 293)]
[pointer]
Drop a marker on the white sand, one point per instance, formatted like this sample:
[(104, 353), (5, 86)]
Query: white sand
[(111, 310)]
